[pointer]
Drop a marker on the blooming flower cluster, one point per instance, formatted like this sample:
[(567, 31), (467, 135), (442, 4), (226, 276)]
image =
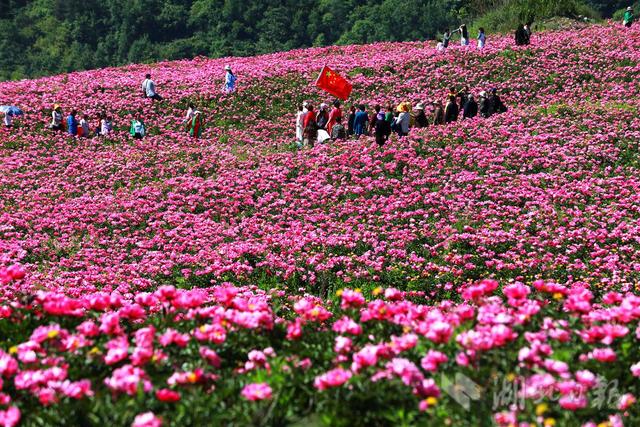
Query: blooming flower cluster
[(142, 279)]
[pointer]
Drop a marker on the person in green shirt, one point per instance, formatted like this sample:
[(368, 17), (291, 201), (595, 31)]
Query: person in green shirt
[(628, 17), (137, 129)]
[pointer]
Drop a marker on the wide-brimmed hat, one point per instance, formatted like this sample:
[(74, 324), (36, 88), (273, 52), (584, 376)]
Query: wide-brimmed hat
[(227, 67), (629, 8), (56, 106), (420, 106), (483, 94)]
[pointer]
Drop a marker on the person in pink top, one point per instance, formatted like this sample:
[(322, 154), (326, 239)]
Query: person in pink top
[(335, 113)]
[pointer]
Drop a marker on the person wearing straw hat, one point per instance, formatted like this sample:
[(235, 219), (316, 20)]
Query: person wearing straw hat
[(403, 119), (420, 118), (628, 17), (229, 80), (56, 118)]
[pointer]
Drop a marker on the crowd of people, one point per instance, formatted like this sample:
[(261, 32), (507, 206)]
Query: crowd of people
[(81, 128), (326, 124)]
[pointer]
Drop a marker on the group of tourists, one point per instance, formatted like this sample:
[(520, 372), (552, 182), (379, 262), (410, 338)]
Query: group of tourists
[(327, 124), (80, 127), (464, 38)]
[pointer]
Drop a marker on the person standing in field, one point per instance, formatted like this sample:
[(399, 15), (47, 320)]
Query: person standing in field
[(334, 115), (337, 130), (403, 119), (451, 111), (322, 118), (438, 113), (56, 118), (137, 130), (229, 80), (190, 111), (374, 117), (197, 123), (300, 124), (310, 133), (483, 106), (149, 88), (382, 130), (446, 38), (360, 121), (482, 38), (627, 21), (420, 119), (105, 126), (84, 126), (470, 109), (351, 120), (72, 123), (7, 120), (521, 36), (464, 35)]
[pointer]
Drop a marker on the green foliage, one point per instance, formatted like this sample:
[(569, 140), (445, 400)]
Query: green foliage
[(508, 14), (56, 36)]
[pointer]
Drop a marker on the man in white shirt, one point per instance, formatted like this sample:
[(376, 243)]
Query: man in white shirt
[(149, 89)]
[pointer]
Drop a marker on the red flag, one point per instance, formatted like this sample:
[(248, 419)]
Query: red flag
[(334, 83)]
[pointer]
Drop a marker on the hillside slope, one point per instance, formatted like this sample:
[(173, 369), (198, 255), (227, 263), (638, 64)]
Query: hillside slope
[(238, 232)]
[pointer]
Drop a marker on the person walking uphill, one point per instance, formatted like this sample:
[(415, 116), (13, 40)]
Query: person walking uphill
[(627, 21), (229, 80), (149, 89)]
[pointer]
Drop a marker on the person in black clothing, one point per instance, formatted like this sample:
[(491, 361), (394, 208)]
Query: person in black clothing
[(374, 117), (522, 38), (495, 103), (484, 105), (470, 109), (451, 110), (446, 38), (382, 130), (420, 118)]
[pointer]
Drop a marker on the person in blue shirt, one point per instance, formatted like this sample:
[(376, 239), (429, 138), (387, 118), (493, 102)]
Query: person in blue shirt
[(360, 122), (72, 123), (229, 80)]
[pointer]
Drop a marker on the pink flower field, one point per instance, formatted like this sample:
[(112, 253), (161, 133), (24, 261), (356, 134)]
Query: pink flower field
[(475, 274)]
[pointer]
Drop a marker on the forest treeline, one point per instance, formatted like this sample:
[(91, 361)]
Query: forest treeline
[(41, 37)]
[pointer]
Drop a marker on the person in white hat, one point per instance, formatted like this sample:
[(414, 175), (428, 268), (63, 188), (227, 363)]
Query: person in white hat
[(229, 80), (420, 118), (628, 17)]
